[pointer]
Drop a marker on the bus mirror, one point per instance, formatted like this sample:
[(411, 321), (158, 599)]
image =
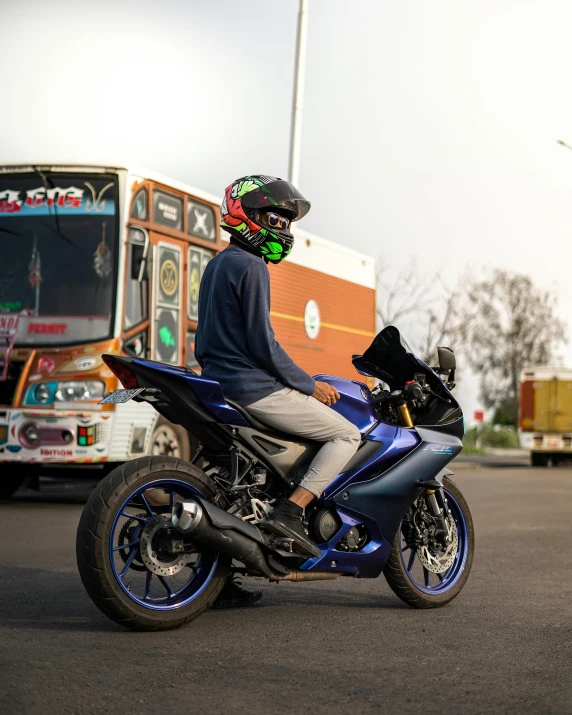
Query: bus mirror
[(139, 267)]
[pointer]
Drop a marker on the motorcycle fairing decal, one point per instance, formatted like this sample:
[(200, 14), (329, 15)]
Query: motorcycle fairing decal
[(438, 449)]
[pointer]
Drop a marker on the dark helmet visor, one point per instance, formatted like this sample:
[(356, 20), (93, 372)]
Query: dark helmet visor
[(278, 195)]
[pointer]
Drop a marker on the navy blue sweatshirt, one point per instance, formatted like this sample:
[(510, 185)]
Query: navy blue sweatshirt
[(235, 343)]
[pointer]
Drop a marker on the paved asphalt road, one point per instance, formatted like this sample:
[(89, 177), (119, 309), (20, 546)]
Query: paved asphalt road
[(504, 646)]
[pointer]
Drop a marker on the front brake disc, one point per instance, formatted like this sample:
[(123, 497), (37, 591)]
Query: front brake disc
[(440, 561)]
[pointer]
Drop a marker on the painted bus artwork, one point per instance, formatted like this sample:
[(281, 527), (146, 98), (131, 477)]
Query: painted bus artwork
[(99, 259)]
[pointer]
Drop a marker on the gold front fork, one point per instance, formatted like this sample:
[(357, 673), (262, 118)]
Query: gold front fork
[(404, 414)]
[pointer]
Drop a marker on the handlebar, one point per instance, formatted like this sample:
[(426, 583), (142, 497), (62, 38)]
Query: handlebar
[(414, 394)]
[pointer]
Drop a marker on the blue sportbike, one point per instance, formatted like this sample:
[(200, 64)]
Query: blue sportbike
[(157, 538)]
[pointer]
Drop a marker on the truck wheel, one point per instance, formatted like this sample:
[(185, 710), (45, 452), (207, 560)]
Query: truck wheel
[(169, 440), (538, 460), (10, 481)]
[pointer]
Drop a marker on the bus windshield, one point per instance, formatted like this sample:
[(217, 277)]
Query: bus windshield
[(58, 266)]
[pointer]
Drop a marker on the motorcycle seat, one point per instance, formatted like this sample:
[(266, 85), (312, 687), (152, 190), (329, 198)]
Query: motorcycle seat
[(252, 421)]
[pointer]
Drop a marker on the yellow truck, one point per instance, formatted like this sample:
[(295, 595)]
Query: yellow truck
[(545, 414)]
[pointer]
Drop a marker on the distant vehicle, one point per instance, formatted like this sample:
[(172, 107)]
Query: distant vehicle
[(108, 259), (545, 414)]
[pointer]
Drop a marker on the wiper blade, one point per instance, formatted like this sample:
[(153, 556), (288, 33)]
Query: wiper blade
[(13, 233), (57, 229)]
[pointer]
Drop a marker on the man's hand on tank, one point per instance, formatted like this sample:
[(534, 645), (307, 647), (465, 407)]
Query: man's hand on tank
[(326, 393)]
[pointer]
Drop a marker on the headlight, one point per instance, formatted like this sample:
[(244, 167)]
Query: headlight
[(79, 390), (31, 435), (42, 393)]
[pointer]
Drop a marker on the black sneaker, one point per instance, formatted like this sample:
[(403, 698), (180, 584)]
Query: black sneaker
[(287, 520), (233, 596)]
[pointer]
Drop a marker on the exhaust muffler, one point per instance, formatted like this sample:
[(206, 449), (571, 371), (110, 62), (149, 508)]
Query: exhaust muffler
[(224, 532), (237, 538)]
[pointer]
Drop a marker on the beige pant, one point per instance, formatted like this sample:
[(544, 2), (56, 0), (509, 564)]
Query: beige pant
[(297, 414)]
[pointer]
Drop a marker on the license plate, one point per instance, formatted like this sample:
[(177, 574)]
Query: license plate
[(552, 442), (118, 396)]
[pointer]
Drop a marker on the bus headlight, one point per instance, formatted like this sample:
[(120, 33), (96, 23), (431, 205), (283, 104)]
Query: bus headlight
[(74, 390), (42, 393)]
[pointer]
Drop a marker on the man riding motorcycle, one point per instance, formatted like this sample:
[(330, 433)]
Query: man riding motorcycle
[(235, 345)]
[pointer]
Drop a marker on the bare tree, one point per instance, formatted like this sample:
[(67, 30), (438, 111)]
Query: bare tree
[(421, 304), (443, 323), (401, 294), (511, 324)]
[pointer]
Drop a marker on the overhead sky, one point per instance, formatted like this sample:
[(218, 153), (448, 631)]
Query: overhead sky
[(429, 128)]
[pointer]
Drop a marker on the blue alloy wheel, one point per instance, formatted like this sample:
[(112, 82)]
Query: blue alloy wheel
[(148, 569), (415, 563)]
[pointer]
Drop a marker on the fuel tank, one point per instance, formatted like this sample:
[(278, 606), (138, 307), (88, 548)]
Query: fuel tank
[(355, 402)]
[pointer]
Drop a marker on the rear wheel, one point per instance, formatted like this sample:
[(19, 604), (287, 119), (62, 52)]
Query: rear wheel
[(133, 565), (427, 578), (538, 460)]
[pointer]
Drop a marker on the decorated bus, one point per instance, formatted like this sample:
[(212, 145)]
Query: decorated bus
[(101, 259)]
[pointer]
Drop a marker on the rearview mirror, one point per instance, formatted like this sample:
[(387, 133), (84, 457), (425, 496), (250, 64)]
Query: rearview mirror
[(139, 245), (139, 270), (447, 360)]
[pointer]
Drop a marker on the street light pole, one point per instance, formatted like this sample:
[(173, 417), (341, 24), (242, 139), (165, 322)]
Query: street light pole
[(298, 94)]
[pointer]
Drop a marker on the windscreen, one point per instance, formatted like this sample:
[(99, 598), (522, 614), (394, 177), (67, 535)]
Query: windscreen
[(390, 359), (58, 267)]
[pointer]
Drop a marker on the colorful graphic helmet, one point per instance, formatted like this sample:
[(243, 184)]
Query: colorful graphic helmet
[(253, 211)]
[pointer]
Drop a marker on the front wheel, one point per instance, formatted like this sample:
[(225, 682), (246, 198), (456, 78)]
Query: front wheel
[(11, 479), (134, 566), (424, 577)]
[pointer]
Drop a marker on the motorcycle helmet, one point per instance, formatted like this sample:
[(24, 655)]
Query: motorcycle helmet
[(258, 210)]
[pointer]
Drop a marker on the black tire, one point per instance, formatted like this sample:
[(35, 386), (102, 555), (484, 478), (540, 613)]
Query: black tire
[(538, 460), (10, 481), (396, 574), (94, 532)]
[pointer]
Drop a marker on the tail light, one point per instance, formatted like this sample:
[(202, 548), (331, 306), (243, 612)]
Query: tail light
[(121, 372)]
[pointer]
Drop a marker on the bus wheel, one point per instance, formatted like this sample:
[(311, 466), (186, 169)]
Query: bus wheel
[(170, 440), (10, 481)]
